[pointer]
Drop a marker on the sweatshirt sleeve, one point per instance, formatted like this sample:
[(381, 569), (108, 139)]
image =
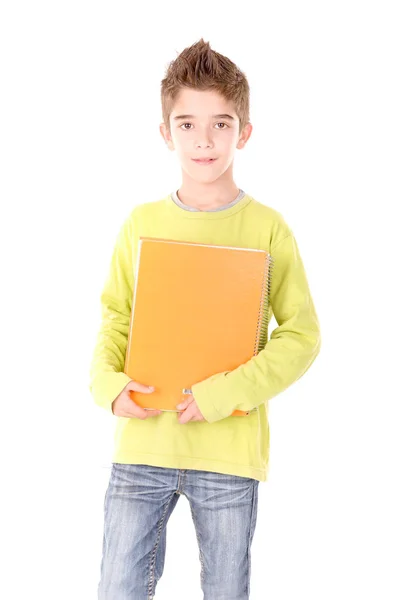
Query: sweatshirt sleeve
[(107, 378), (287, 355)]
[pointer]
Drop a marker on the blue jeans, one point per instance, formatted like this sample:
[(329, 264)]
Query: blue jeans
[(138, 503)]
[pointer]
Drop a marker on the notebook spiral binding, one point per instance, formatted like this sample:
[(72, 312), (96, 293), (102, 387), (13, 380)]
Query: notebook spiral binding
[(262, 323)]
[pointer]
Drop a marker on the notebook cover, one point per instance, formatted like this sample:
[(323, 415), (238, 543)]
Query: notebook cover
[(197, 310)]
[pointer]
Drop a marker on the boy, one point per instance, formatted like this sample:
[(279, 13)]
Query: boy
[(214, 459)]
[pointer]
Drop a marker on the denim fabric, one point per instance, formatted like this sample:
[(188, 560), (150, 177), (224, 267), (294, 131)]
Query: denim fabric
[(138, 503)]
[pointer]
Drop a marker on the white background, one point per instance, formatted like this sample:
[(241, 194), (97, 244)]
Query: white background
[(80, 146)]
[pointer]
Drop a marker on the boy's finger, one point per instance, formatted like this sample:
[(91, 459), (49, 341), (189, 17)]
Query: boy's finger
[(152, 413), (186, 400), (185, 416)]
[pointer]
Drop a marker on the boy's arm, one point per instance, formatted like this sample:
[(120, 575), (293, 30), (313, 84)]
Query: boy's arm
[(289, 353), (107, 378)]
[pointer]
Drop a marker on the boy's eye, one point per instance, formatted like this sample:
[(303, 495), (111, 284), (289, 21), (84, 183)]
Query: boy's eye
[(187, 129)]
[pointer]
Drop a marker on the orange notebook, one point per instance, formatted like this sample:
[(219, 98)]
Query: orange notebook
[(197, 310)]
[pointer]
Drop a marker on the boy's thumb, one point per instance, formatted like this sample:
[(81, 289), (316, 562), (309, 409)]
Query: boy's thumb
[(183, 404), (140, 387)]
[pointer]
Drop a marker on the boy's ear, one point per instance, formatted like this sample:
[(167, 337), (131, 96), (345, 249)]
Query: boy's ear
[(244, 136), (166, 136)]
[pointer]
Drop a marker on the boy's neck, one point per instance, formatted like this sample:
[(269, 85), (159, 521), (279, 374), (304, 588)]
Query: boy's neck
[(209, 201), (206, 196)]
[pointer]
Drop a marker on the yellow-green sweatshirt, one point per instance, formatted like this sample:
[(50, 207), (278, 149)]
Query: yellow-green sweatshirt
[(236, 445)]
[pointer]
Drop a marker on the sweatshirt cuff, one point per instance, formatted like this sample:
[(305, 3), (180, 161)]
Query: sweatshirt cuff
[(107, 386)]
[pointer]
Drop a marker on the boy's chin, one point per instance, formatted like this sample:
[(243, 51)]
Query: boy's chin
[(205, 175)]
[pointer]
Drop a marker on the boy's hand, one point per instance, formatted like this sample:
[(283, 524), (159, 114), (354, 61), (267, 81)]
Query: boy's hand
[(124, 406), (191, 411)]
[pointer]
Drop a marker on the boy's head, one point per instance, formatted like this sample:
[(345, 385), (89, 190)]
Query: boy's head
[(205, 108)]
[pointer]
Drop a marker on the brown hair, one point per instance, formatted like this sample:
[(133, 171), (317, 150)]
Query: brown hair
[(198, 67)]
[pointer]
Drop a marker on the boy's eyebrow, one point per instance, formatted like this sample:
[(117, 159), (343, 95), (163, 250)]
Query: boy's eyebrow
[(222, 116)]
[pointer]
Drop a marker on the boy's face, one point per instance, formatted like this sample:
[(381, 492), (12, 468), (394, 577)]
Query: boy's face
[(204, 135)]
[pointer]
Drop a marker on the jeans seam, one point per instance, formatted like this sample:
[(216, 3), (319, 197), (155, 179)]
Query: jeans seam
[(151, 585), (253, 503), (199, 543)]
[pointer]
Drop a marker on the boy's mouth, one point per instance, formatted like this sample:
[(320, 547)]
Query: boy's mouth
[(204, 161)]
